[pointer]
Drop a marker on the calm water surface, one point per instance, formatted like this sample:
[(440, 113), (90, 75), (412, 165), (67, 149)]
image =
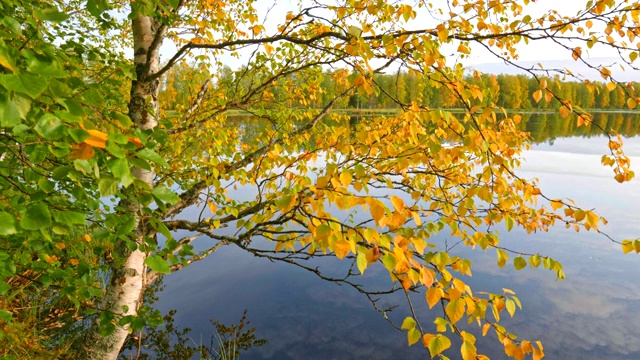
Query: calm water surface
[(593, 314)]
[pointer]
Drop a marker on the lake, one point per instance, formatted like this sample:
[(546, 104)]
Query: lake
[(592, 314)]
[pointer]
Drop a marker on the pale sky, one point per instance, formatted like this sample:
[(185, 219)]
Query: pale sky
[(530, 54)]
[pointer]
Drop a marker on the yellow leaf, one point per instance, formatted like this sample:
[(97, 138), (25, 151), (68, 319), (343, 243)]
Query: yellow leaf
[(605, 73), (135, 141), (408, 323), (279, 246), (96, 139), (426, 338), (426, 277), (564, 111), (5, 63), (468, 351), (377, 210), (398, 204), (485, 329), (576, 53), (405, 282), (537, 95), (443, 33), (212, 207), (582, 119), (508, 291), (556, 204), (438, 344), (455, 310), (268, 48), (81, 151), (463, 49), (402, 266), (538, 353), (346, 178), (548, 96), (342, 248), (511, 307), (413, 335), (631, 103), (526, 346), (286, 202), (433, 296), (362, 261), (416, 218), (87, 238), (502, 257), (543, 84), (592, 219), (611, 86)]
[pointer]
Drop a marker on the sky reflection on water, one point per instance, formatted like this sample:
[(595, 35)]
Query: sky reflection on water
[(590, 315)]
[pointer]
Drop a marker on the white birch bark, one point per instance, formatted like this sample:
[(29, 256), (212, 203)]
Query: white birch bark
[(124, 292)]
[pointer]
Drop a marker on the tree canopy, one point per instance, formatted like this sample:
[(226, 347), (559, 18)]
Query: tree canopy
[(118, 117)]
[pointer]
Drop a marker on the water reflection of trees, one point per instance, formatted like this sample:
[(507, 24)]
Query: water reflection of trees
[(543, 127), (547, 127), (171, 342)]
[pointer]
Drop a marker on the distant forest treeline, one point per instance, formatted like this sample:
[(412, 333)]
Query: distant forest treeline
[(391, 90), (507, 91)]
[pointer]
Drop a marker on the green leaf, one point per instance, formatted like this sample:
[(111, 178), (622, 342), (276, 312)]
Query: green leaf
[(70, 217), (7, 224), (534, 260), (121, 170), (502, 257), (12, 24), (97, 7), (13, 109), (174, 3), (511, 307), (36, 217), (43, 66), (408, 323), (126, 227), (123, 120), (164, 194), (108, 186), (50, 127), (389, 261), (413, 335), (509, 223), (438, 344), (115, 150), (78, 135), (361, 262), (27, 84), (119, 167), (158, 264), (519, 263), (51, 14), (5, 316), (107, 323), (46, 185), (152, 156), (4, 288)]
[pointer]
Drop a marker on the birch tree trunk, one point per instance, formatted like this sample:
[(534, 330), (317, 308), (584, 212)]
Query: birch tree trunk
[(124, 291)]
